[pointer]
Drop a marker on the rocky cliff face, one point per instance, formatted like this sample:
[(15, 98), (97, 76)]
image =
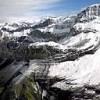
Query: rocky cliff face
[(91, 11)]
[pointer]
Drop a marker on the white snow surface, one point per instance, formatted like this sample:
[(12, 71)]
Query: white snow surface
[(85, 70), (85, 40), (15, 34), (92, 25), (50, 43)]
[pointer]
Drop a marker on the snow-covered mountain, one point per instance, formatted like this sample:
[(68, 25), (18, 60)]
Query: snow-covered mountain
[(90, 12), (62, 50), (54, 25)]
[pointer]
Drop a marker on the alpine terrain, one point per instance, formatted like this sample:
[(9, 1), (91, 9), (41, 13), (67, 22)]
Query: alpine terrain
[(54, 58)]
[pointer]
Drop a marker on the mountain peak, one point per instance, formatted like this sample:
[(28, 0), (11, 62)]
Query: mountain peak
[(90, 12), (96, 5)]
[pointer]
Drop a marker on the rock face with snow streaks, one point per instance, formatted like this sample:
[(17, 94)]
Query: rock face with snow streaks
[(91, 11)]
